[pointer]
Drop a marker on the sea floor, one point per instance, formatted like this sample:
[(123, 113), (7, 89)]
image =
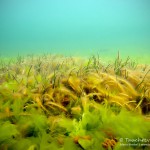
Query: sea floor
[(70, 103)]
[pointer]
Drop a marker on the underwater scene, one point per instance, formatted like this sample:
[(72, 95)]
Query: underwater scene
[(74, 75)]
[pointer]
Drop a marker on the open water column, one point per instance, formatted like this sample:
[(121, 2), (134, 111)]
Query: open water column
[(81, 27)]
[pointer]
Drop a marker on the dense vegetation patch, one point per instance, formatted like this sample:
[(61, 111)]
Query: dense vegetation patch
[(55, 102)]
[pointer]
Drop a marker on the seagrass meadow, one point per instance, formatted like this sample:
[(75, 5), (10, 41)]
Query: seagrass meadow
[(55, 102)]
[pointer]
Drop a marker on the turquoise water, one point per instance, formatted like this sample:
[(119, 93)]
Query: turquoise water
[(75, 27)]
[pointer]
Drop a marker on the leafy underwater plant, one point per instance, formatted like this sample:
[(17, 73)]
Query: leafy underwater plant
[(99, 123), (55, 102)]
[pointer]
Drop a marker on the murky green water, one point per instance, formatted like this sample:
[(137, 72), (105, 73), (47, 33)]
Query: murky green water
[(75, 27)]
